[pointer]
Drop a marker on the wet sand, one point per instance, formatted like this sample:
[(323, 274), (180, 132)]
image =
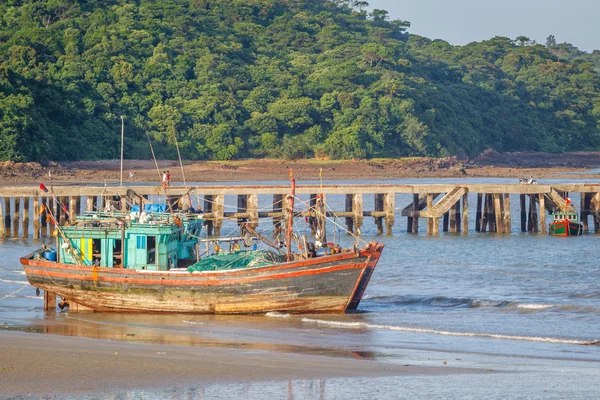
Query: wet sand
[(50, 365), (488, 164)]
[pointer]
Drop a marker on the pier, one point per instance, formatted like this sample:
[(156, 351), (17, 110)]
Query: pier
[(484, 208)]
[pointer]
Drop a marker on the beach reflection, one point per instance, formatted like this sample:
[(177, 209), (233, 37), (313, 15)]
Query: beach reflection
[(237, 332)]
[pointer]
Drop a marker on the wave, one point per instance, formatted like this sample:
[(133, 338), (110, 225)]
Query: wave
[(275, 314), (435, 301), (364, 325), (536, 306), (192, 322), (11, 281), (460, 302)]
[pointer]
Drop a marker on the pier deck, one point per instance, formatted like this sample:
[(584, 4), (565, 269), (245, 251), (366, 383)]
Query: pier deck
[(433, 202)]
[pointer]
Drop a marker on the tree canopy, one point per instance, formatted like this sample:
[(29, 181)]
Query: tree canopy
[(275, 78)]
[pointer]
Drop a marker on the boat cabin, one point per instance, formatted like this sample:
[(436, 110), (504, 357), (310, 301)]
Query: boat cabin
[(566, 215), (156, 241)]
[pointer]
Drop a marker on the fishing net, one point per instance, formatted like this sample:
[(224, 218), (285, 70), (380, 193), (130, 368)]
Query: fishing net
[(237, 260)]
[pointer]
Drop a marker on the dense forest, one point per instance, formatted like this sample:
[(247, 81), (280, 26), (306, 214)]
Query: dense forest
[(276, 78)]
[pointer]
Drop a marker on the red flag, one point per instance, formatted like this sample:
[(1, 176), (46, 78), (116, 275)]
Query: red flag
[(43, 187), (64, 208)]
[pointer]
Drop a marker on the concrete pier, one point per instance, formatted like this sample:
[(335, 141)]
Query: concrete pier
[(432, 202)]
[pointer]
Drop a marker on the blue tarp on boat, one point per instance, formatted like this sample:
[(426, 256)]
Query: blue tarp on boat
[(155, 208)]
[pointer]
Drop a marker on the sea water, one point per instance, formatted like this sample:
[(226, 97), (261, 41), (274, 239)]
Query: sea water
[(524, 304)]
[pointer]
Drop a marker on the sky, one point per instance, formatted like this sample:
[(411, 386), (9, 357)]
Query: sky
[(463, 21)]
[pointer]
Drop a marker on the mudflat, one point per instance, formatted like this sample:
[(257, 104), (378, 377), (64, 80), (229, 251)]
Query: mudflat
[(51, 365), (489, 164)]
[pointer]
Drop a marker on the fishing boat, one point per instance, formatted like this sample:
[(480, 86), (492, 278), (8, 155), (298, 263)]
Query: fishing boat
[(565, 221), (154, 260)]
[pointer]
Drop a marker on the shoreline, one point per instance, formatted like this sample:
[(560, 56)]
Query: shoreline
[(487, 165), (46, 364)]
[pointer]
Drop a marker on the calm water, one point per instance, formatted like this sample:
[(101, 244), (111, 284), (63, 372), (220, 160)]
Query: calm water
[(523, 303)]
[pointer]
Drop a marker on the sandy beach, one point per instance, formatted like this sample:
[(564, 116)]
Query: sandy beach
[(50, 365)]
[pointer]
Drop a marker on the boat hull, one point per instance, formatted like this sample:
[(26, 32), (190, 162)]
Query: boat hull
[(566, 228), (327, 284)]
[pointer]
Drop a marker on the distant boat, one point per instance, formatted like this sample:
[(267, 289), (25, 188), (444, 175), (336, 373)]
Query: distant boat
[(155, 261), (566, 222)]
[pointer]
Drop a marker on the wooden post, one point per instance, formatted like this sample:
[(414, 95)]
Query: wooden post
[(491, 214), (208, 208), (36, 217), (478, 215), (389, 207), (100, 202), (349, 220), (583, 215), (485, 214), (277, 208), (7, 218), (63, 216), (465, 215), (542, 200), (429, 220), (446, 221), (415, 209), (252, 207), (2, 231), (498, 220), (43, 217), (523, 213), (533, 218), (507, 218), (78, 206), (357, 210), (457, 216), (595, 199), (313, 204), (16, 217), (25, 224), (218, 212), (436, 226), (73, 207), (452, 216), (378, 205), (89, 203), (242, 207), (49, 301)]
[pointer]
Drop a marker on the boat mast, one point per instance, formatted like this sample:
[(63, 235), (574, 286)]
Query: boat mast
[(290, 222), (122, 139)]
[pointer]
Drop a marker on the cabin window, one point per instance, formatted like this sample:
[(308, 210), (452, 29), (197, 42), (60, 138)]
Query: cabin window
[(151, 246), (96, 252), (141, 242), (118, 254)]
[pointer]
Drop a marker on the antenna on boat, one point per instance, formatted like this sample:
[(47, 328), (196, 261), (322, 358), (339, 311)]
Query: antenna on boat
[(290, 222), (122, 140)]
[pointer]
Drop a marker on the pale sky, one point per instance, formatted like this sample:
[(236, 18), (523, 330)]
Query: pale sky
[(462, 21)]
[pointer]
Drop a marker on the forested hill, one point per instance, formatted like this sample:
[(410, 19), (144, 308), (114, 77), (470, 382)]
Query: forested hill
[(273, 78)]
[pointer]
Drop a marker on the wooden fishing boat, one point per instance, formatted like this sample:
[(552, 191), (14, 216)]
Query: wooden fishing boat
[(152, 262), (565, 222)]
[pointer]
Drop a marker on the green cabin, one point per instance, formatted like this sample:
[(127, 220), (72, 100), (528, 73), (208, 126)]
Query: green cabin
[(156, 241)]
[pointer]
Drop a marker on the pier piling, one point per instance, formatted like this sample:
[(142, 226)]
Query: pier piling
[(430, 201), (16, 216), (25, 223)]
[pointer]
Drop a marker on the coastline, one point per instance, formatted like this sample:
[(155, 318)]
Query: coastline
[(46, 364)]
